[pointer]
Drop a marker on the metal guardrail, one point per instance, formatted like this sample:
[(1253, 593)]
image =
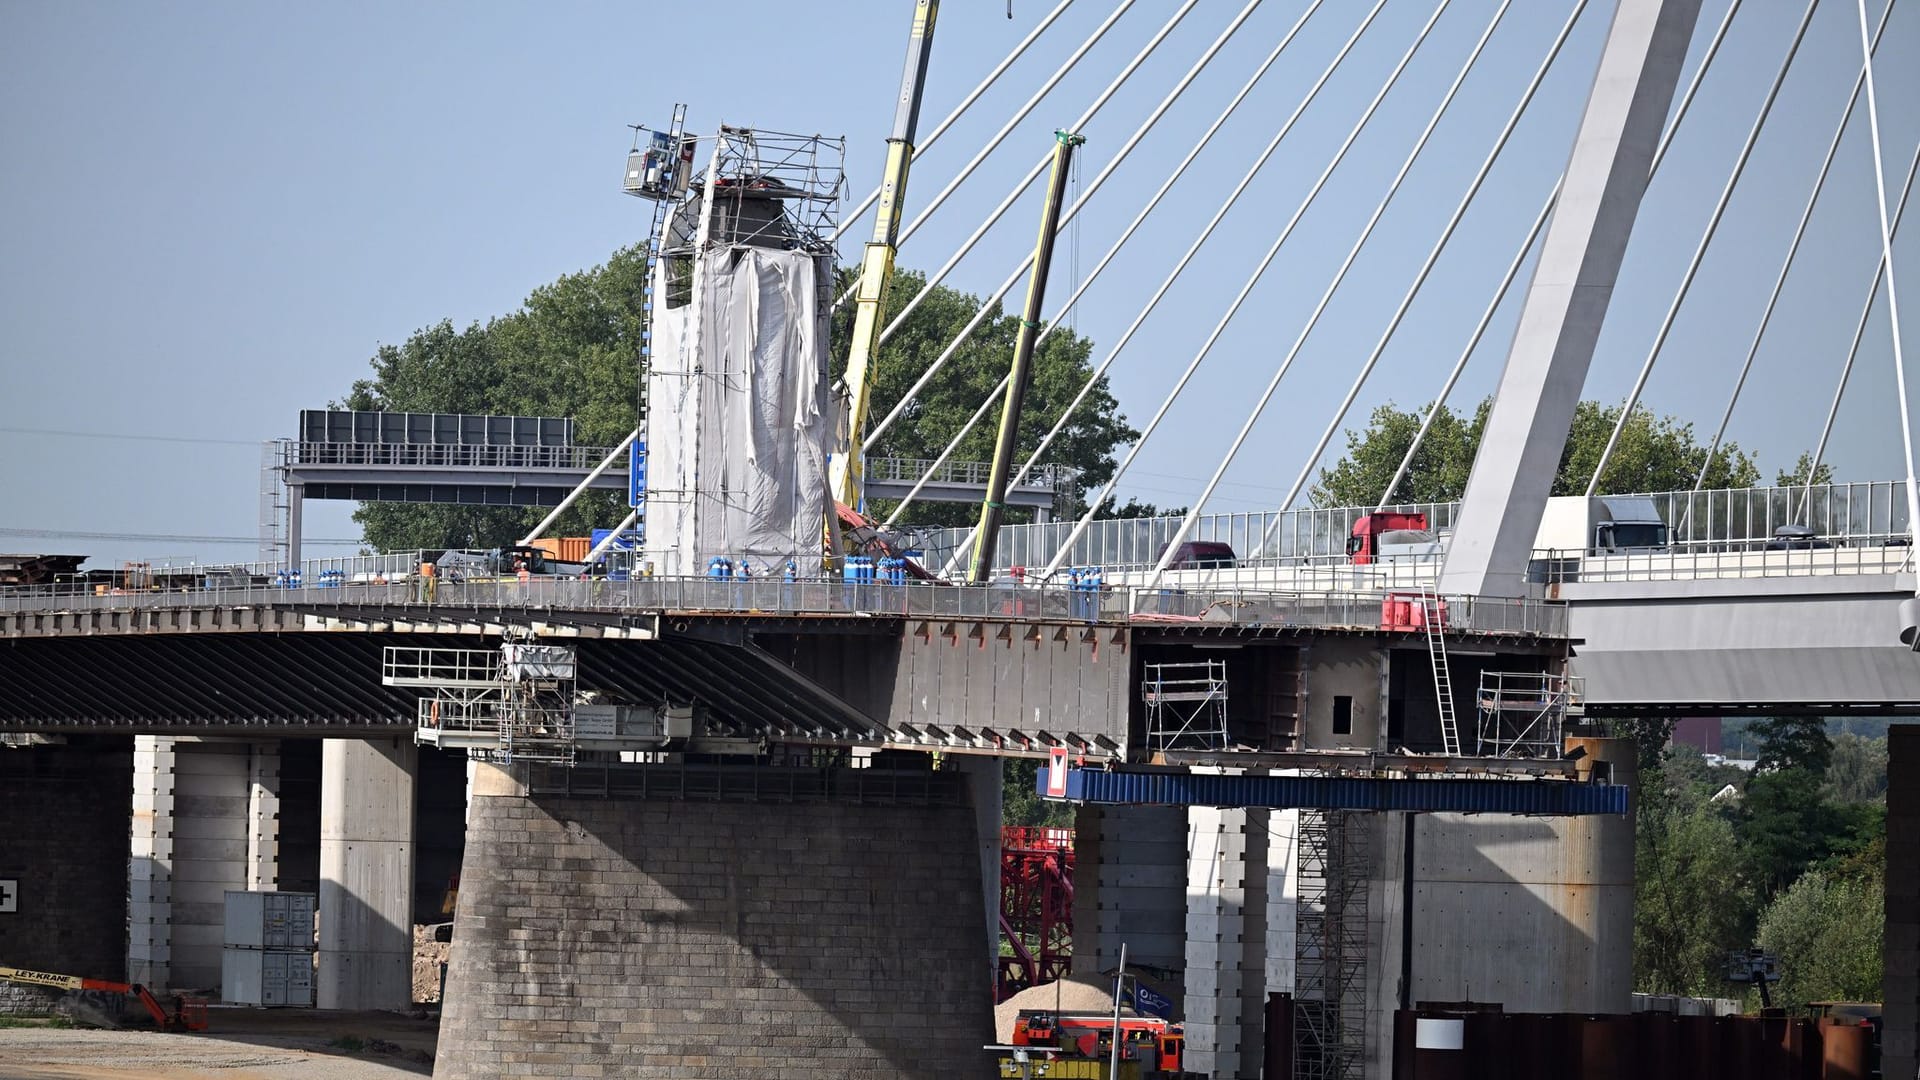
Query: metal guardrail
[(445, 456), (1565, 567), (1855, 513), (1112, 606), (910, 470)]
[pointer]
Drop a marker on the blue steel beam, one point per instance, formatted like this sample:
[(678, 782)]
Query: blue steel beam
[(1449, 795)]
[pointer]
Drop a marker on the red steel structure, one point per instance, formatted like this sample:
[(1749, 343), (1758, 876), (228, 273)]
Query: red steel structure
[(1036, 906)]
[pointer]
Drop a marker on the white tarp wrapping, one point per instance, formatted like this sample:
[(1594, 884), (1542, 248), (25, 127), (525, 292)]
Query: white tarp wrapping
[(737, 418)]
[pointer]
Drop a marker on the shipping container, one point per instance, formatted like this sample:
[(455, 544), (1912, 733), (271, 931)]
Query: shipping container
[(269, 920), (565, 548), (266, 977)]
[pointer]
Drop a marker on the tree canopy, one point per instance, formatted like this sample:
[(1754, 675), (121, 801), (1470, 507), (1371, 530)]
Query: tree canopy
[(1654, 454), (570, 350)]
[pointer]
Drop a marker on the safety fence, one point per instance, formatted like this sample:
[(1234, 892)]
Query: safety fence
[(552, 597)]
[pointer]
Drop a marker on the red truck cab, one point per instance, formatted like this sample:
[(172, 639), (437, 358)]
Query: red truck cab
[(1363, 547)]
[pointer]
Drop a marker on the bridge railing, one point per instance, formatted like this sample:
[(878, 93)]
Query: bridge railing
[(1563, 567), (552, 598)]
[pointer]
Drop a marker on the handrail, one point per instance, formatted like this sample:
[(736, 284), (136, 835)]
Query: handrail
[(1120, 605)]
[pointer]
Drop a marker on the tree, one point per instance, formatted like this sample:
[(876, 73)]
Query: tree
[(1858, 770), (1793, 742), (1020, 801), (571, 348), (1829, 931), (1060, 367), (1653, 454), (1688, 908), (1797, 476)]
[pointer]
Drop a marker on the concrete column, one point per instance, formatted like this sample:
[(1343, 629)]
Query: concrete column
[(296, 524), (366, 874), (986, 781), (1568, 297), (1226, 855), (263, 817), (150, 863), (1129, 884), (1532, 913)]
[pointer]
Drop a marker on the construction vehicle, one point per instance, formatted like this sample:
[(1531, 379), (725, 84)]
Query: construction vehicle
[(876, 265), (1050, 1044), (1390, 534), (504, 563), (187, 1014)]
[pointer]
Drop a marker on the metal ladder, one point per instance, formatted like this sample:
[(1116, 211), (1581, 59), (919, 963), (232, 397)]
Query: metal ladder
[(661, 208), (1430, 620)]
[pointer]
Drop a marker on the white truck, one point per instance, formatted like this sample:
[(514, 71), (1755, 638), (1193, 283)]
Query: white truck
[(1601, 525)]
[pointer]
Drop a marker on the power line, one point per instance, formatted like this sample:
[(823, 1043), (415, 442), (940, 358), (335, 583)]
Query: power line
[(157, 538), (59, 433)]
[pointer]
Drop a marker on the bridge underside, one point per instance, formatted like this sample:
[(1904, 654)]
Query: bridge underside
[(1820, 646), (328, 684), (980, 685)]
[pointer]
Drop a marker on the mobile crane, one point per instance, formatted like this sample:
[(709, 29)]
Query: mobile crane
[(876, 265), (187, 1014)]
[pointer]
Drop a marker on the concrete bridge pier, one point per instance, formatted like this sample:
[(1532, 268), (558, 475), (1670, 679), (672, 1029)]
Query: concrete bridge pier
[(727, 922), (366, 874), (205, 820)]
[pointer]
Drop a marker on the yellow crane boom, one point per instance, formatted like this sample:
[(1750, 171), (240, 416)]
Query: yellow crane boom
[(876, 265)]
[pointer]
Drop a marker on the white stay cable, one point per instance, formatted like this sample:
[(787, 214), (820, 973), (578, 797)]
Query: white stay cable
[(1080, 290), (966, 103), (1192, 249), (1653, 168), (1473, 188), (1413, 290), (1693, 87), (1700, 250), (1479, 330), (1893, 294), (1000, 136), (1033, 174), (1793, 248), (991, 303), (1859, 332), (1253, 279)]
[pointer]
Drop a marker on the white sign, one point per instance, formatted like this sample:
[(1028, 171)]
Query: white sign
[(1057, 773), (9, 895)]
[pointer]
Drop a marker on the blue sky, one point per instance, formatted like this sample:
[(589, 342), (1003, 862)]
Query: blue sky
[(215, 212)]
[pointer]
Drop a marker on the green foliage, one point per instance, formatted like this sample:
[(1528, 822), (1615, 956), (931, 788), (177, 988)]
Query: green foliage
[(1793, 742), (1785, 827), (1858, 770), (1797, 476), (1687, 909), (1652, 455), (570, 351), (1829, 932), (1060, 367), (1020, 801), (1134, 508)]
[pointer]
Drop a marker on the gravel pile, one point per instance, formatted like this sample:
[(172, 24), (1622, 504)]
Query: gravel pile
[(1071, 995)]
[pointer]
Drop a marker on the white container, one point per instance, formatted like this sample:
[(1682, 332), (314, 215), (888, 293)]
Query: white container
[(269, 920), (266, 977)]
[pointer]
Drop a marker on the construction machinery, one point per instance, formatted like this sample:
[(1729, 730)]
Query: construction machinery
[(993, 508), (876, 265), (187, 1014), (1054, 1045)]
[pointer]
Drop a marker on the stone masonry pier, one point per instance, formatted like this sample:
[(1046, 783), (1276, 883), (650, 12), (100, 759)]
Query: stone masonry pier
[(724, 923)]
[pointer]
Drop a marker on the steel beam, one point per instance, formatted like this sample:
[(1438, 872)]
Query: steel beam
[(1568, 297)]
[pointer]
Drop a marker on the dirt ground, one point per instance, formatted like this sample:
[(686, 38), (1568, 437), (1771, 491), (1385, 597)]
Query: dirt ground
[(428, 955), (239, 1044)]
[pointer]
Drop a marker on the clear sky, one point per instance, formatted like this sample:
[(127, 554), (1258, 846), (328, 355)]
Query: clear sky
[(215, 212)]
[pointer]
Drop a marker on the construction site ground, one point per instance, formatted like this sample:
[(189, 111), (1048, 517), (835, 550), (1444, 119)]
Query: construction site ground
[(239, 1044)]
